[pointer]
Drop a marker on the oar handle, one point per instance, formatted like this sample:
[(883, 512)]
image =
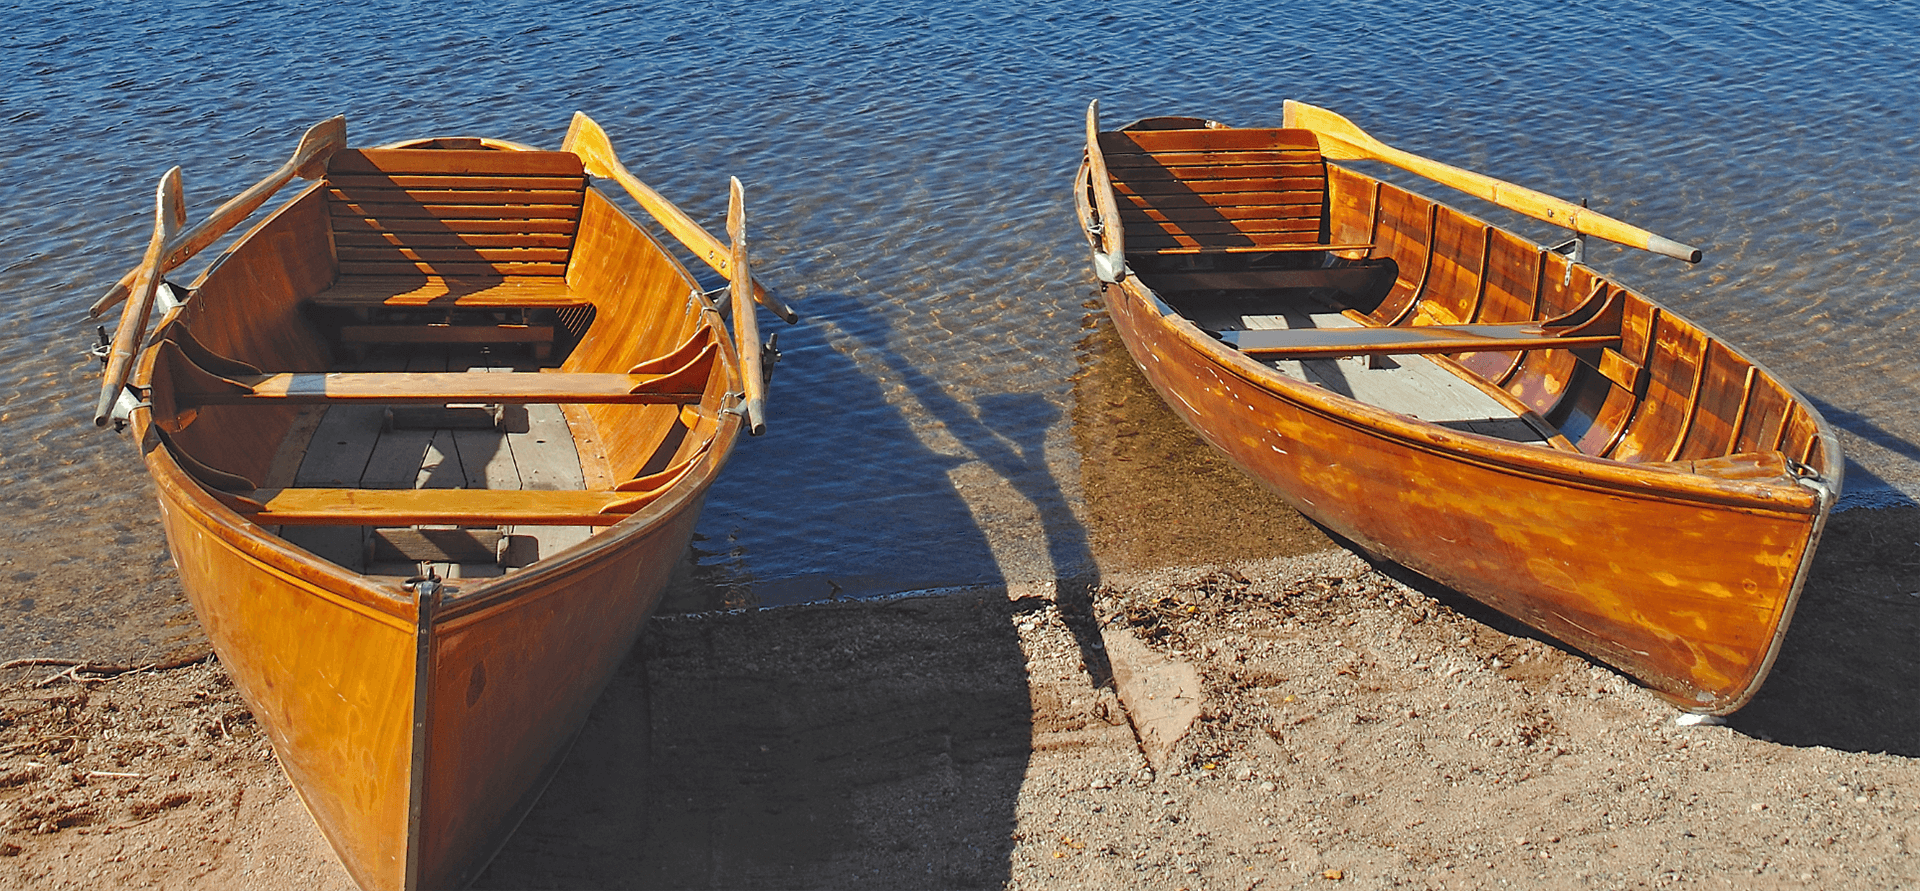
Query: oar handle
[(1343, 140), (308, 162), (169, 214), (746, 325), (586, 139)]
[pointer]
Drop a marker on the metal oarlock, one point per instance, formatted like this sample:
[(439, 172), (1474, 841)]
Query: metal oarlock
[(1574, 249)]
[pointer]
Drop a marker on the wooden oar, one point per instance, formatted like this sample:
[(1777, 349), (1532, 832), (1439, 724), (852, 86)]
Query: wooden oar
[(169, 214), (586, 139), (746, 327), (308, 162), (1109, 265), (1342, 140)]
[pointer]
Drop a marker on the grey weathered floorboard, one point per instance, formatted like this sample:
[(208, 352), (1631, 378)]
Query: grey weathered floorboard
[(1415, 386), (349, 447)]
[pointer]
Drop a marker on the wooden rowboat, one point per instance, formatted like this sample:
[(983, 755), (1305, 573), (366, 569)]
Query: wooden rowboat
[(418, 576), (1490, 413)]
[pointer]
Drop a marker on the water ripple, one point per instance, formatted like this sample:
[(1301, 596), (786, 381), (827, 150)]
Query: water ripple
[(907, 173)]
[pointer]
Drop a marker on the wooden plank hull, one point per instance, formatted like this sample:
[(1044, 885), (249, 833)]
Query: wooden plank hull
[(1685, 580), (420, 723), (330, 668)]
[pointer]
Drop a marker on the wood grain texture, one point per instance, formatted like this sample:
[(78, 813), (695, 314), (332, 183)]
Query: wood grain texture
[(530, 292), (442, 505), (452, 212), (1668, 536), (1342, 140), (1406, 340), (589, 142), (615, 256), (417, 737), (319, 143), (1217, 189)]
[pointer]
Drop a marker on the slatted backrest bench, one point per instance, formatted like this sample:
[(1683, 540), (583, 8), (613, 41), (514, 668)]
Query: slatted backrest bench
[(1218, 191), (452, 228)]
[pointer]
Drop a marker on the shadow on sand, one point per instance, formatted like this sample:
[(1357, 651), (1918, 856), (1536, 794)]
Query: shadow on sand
[(833, 744)]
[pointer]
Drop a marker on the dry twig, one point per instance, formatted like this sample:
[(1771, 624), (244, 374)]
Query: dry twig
[(102, 670)]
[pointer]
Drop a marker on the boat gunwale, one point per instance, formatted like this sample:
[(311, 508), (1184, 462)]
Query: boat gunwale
[(1628, 479)]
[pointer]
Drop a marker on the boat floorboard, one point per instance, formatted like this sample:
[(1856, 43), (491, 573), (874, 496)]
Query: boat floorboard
[(1411, 385), (350, 446)]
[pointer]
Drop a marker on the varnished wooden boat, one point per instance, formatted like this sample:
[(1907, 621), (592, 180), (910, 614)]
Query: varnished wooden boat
[(1490, 413), (420, 577)]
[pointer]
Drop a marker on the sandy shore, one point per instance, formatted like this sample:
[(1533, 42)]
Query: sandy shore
[(1351, 729)]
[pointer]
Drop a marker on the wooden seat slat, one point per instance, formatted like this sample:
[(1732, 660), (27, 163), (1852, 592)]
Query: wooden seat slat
[(435, 388), (1251, 233), (1208, 191), (1274, 247), (456, 211), (1210, 167), (1191, 208), (488, 197), (1296, 343), (527, 292), (460, 162), (448, 334), (1132, 215), (1163, 241), (464, 507), (460, 270), (375, 239), (353, 224), (1207, 140), (355, 182), (470, 212), (1265, 179), (437, 256)]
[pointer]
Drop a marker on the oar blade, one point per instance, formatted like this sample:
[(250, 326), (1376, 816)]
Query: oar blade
[(1340, 139)]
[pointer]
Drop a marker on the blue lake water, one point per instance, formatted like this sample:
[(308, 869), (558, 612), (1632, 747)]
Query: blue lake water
[(907, 175)]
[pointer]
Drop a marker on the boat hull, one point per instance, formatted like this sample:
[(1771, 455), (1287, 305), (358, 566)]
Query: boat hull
[(1690, 596), (1659, 513), (419, 720), (331, 667)]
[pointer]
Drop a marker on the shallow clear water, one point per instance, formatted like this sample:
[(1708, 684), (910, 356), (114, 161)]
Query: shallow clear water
[(907, 176)]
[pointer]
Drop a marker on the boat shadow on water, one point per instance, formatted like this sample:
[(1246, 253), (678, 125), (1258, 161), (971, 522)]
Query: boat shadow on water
[(795, 747)]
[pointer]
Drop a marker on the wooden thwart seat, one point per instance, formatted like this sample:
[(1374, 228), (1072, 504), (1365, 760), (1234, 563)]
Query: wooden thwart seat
[(1207, 191), (468, 507), (680, 377), (435, 388), (1299, 343)]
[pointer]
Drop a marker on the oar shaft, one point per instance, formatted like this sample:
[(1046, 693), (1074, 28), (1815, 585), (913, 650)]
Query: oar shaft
[(586, 139), (746, 325), (184, 246), (316, 145), (168, 211), (1110, 255), (1341, 139)]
